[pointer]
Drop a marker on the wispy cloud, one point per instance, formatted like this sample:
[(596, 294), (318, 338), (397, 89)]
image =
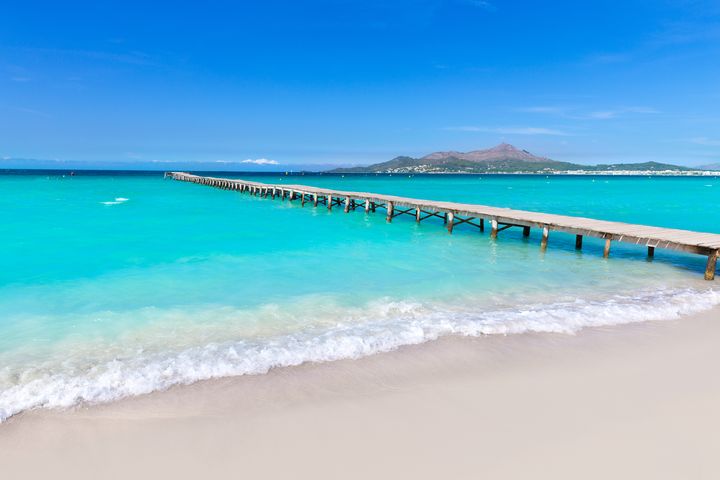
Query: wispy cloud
[(579, 113), (608, 114), (660, 45), (708, 142), (261, 161), (608, 58), (484, 4), (511, 130), (18, 74), (543, 109), (30, 111), (254, 161), (127, 57)]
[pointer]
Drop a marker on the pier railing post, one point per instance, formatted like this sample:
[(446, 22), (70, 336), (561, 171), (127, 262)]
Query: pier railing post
[(652, 237), (711, 265), (544, 240), (493, 228)]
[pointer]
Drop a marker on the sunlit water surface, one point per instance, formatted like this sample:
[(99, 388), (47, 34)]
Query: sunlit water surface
[(114, 285)]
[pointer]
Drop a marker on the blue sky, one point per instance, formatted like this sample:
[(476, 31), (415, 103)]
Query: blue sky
[(351, 82)]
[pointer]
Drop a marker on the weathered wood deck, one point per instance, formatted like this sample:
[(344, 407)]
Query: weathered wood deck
[(499, 218)]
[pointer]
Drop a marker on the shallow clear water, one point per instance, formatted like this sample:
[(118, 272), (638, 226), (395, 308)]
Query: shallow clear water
[(115, 285)]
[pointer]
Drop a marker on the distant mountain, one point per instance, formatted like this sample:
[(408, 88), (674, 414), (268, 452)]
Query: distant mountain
[(503, 158), (501, 152), (712, 166)]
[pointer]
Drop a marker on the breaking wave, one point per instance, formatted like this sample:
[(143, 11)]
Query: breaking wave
[(380, 326)]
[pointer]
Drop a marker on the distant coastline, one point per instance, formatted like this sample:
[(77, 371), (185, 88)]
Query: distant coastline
[(507, 159), (502, 159), (289, 173)]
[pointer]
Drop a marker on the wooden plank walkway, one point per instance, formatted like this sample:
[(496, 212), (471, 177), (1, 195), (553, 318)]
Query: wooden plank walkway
[(477, 215)]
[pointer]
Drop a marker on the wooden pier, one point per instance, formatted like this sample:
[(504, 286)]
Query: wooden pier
[(499, 219)]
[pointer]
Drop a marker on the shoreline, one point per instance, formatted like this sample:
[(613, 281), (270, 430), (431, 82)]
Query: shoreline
[(635, 400)]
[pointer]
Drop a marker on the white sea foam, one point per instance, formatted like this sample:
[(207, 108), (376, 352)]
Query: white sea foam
[(386, 325), (117, 201)]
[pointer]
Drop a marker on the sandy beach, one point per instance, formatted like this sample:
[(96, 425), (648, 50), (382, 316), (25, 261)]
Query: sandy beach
[(634, 401)]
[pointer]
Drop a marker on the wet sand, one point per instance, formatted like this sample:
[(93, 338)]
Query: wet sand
[(633, 401)]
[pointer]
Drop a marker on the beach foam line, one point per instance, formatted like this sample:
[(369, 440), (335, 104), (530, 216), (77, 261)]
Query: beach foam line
[(388, 325)]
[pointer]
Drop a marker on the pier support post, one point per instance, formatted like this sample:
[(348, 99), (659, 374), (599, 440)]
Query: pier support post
[(544, 240), (302, 202), (390, 211), (526, 231), (482, 224), (329, 202), (606, 250), (493, 228), (651, 252), (367, 206), (372, 207), (578, 242), (417, 214), (450, 221), (347, 204), (315, 199), (274, 192), (711, 264)]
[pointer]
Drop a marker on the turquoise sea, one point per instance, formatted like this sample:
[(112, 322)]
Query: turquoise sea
[(119, 284)]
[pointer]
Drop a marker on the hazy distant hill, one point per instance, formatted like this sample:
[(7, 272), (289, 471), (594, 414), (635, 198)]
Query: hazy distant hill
[(712, 166), (503, 158)]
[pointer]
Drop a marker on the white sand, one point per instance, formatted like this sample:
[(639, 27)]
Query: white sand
[(636, 401)]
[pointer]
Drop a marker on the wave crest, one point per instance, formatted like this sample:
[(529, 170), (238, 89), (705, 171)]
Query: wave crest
[(387, 325)]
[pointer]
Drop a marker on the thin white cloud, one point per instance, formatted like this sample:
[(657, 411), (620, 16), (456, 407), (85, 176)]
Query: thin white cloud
[(608, 58), (30, 111), (608, 114), (603, 114), (511, 130), (708, 142), (578, 113), (484, 4), (261, 161), (543, 109), (254, 161)]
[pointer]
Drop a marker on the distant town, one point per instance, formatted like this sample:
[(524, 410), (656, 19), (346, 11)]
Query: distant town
[(507, 159)]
